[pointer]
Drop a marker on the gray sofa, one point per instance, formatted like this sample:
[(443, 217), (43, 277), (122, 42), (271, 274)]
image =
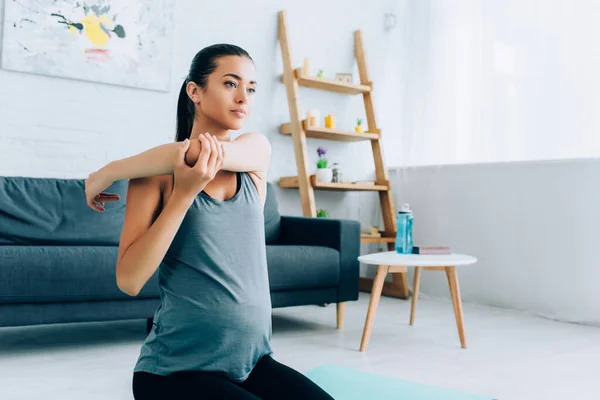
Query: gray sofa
[(57, 256)]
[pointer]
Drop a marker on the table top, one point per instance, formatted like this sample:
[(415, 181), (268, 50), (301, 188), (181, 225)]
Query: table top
[(417, 260)]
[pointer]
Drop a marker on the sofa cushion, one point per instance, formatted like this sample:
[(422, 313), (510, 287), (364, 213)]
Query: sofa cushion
[(299, 267), (36, 274), (48, 211)]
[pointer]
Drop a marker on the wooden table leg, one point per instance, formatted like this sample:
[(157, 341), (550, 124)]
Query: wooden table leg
[(382, 271), (448, 275), (415, 295), (341, 313), (456, 303)]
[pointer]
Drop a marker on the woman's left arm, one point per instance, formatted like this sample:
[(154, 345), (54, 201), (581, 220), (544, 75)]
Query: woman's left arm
[(250, 152)]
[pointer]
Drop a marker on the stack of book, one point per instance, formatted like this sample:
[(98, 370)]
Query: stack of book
[(431, 250), (371, 231)]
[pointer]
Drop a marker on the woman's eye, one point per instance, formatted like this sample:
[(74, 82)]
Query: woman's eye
[(230, 83), (252, 90)]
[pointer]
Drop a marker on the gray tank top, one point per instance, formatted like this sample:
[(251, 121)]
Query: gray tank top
[(215, 311)]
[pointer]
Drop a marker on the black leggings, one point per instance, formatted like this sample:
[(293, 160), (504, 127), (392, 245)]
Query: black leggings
[(268, 380)]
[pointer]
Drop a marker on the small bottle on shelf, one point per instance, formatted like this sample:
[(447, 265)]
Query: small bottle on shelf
[(330, 121), (312, 119)]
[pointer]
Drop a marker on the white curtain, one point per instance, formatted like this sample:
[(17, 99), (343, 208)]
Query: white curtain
[(491, 81)]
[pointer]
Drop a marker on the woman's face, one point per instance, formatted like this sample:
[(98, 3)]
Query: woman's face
[(228, 95)]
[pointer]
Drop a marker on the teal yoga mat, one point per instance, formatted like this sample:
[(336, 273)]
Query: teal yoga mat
[(348, 384)]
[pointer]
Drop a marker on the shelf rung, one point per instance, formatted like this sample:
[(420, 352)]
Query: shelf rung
[(291, 182), (328, 84), (371, 239), (329, 134)]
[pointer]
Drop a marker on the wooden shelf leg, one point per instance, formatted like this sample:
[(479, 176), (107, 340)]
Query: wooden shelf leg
[(400, 281), (307, 195)]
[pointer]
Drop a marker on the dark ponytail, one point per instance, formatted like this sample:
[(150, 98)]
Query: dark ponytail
[(203, 64)]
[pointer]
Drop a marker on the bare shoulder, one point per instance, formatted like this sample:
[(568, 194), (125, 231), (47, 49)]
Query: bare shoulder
[(161, 185), (262, 143), (257, 135), (259, 142), (148, 190), (150, 183)]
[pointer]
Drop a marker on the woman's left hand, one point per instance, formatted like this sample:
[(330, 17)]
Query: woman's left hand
[(95, 197)]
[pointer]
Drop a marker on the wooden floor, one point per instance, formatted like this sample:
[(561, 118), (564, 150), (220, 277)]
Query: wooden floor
[(511, 356)]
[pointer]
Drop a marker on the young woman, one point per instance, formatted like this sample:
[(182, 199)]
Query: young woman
[(195, 211)]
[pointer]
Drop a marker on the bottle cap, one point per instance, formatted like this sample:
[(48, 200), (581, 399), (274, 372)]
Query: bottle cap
[(405, 208)]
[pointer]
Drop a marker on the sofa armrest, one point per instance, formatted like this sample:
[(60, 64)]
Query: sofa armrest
[(340, 234)]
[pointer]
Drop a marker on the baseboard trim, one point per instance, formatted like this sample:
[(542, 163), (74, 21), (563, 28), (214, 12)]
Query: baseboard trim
[(389, 288)]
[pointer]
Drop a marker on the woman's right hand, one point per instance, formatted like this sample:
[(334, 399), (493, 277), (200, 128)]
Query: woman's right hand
[(95, 184), (189, 181)]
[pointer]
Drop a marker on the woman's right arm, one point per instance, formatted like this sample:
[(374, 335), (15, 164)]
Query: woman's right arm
[(149, 226), (147, 232)]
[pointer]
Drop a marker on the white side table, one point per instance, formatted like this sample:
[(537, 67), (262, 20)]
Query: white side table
[(391, 262)]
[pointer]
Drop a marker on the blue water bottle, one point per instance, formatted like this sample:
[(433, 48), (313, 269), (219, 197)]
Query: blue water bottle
[(404, 234)]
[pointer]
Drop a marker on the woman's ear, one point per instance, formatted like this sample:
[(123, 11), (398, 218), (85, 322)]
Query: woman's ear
[(193, 92)]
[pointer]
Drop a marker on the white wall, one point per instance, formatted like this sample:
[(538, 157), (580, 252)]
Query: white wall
[(494, 81), (532, 225), (502, 82), (52, 127)]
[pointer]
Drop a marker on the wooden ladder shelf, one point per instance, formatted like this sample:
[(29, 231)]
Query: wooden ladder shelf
[(299, 130)]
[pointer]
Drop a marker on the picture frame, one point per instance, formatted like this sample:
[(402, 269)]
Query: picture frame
[(118, 42), (343, 77)]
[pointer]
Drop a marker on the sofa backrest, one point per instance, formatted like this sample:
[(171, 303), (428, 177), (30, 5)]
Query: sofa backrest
[(53, 211), (49, 211)]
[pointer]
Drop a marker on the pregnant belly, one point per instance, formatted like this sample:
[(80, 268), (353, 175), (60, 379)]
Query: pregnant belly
[(187, 330)]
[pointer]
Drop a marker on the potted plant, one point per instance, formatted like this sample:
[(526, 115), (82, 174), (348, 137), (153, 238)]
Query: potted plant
[(358, 128), (322, 213), (324, 173)]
